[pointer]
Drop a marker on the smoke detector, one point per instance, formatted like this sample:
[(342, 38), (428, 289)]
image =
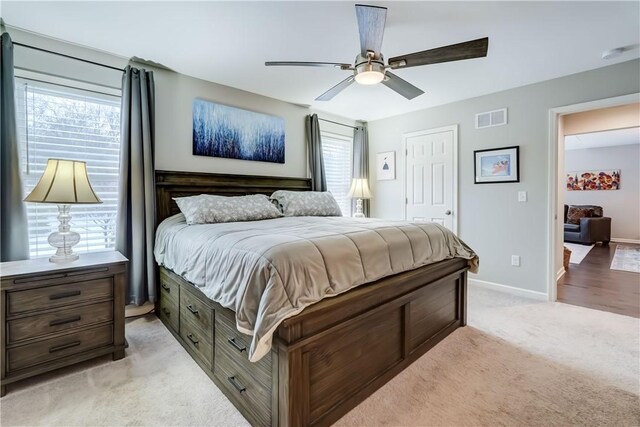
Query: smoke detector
[(612, 53)]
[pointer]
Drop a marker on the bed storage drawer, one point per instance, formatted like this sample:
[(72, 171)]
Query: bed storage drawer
[(247, 388), (198, 342), (197, 311), (169, 313)]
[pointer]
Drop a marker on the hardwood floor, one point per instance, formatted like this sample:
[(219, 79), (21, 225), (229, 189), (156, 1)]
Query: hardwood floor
[(593, 284)]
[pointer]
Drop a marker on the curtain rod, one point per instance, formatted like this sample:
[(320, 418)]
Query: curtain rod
[(336, 123), (68, 56)]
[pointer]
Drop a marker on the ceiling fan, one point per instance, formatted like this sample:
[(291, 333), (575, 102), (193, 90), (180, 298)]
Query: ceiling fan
[(369, 68)]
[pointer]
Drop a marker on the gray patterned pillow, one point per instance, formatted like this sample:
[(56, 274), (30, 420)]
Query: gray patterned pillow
[(307, 203), (206, 209)]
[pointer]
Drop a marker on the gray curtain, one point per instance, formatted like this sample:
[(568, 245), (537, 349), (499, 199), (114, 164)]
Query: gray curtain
[(136, 204), (14, 236), (361, 161), (314, 150)]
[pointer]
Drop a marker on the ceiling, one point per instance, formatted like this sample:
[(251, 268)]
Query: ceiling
[(609, 138), (228, 43)]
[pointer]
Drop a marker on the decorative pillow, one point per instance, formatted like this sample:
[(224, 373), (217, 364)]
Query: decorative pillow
[(306, 203), (206, 209), (576, 212)]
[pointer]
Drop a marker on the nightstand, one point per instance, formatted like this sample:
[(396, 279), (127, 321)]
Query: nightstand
[(56, 315)]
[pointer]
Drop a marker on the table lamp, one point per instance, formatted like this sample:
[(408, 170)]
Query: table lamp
[(64, 182), (359, 190)]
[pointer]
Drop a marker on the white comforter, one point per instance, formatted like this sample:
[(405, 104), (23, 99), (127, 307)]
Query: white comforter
[(267, 271)]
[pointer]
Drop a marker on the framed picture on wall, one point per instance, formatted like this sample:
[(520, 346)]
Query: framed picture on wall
[(386, 166), (497, 165)]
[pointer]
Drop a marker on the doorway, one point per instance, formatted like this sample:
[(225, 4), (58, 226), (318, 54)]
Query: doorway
[(583, 139), (431, 178)]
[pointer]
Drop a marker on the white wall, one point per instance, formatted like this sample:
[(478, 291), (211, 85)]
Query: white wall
[(623, 205), (490, 218), (174, 96)]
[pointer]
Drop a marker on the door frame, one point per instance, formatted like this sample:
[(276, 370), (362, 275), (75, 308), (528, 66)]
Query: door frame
[(554, 147), (404, 155)]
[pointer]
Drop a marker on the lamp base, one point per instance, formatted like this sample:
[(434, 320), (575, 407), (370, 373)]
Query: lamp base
[(359, 213), (64, 239)]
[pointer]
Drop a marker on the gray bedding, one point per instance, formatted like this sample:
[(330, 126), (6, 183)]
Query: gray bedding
[(267, 271)]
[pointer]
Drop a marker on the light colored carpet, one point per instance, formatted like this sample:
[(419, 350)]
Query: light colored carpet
[(520, 362), (578, 252), (626, 258)]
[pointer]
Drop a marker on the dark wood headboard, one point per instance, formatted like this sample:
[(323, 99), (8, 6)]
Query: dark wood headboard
[(170, 184)]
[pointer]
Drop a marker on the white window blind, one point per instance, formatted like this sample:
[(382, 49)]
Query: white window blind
[(337, 152), (56, 122)]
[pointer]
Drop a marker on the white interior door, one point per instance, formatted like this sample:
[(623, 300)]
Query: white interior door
[(431, 176)]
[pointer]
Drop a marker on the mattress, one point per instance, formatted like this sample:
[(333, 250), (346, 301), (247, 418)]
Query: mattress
[(267, 271)]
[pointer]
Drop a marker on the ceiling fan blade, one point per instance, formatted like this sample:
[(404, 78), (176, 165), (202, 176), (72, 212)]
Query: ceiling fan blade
[(308, 64), (328, 95), (455, 52), (371, 20), (401, 86)]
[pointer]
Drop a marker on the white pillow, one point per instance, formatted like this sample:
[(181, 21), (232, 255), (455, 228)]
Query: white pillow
[(207, 209), (307, 203)]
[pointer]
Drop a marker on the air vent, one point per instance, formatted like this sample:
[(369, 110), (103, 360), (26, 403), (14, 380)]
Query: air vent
[(491, 118)]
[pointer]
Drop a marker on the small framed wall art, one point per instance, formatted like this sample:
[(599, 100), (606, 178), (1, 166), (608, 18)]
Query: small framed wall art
[(497, 165), (386, 166)]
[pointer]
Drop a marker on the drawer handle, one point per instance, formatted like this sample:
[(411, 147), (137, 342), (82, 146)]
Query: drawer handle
[(166, 311), (165, 287), (64, 295), (63, 321), (193, 340), (241, 389), (63, 346), (233, 342), (193, 310)]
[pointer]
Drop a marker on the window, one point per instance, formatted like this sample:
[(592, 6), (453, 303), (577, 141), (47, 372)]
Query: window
[(57, 122), (337, 152)]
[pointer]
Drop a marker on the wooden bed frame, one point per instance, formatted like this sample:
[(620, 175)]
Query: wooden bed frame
[(332, 355)]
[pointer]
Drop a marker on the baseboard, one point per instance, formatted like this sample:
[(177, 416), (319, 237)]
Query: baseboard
[(541, 296), (632, 241), (560, 273)]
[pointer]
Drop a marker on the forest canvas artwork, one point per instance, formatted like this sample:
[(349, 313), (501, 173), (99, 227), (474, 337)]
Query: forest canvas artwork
[(234, 133), (593, 180)]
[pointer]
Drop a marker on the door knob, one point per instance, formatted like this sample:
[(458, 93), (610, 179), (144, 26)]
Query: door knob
[(447, 212)]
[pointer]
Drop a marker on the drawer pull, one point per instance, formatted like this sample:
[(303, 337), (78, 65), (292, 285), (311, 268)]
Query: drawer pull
[(241, 389), (63, 346), (193, 340), (193, 310), (63, 321), (165, 287), (65, 295), (233, 342), (166, 311)]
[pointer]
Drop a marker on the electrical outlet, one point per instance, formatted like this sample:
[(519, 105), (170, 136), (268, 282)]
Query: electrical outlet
[(522, 196), (515, 260)]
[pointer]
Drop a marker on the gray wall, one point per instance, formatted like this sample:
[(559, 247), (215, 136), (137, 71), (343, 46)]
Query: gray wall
[(490, 218), (174, 96), (623, 205)]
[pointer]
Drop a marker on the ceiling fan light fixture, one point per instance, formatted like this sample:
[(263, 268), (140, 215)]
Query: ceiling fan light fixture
[(369, 77)]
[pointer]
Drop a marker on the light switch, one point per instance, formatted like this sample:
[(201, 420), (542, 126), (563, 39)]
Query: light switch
[(522, 196), (515, 260)]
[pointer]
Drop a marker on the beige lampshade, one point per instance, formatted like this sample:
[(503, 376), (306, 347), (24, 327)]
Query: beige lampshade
[(359, 189), (64, 182)]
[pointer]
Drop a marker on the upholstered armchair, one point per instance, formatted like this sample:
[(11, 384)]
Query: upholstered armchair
[(590, 230)]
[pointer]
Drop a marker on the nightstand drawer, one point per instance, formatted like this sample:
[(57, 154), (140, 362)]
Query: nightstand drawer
[(59, 296), (43, 324), (57, 348)]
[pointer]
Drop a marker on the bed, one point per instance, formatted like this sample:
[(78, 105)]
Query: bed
[(326, 357)]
